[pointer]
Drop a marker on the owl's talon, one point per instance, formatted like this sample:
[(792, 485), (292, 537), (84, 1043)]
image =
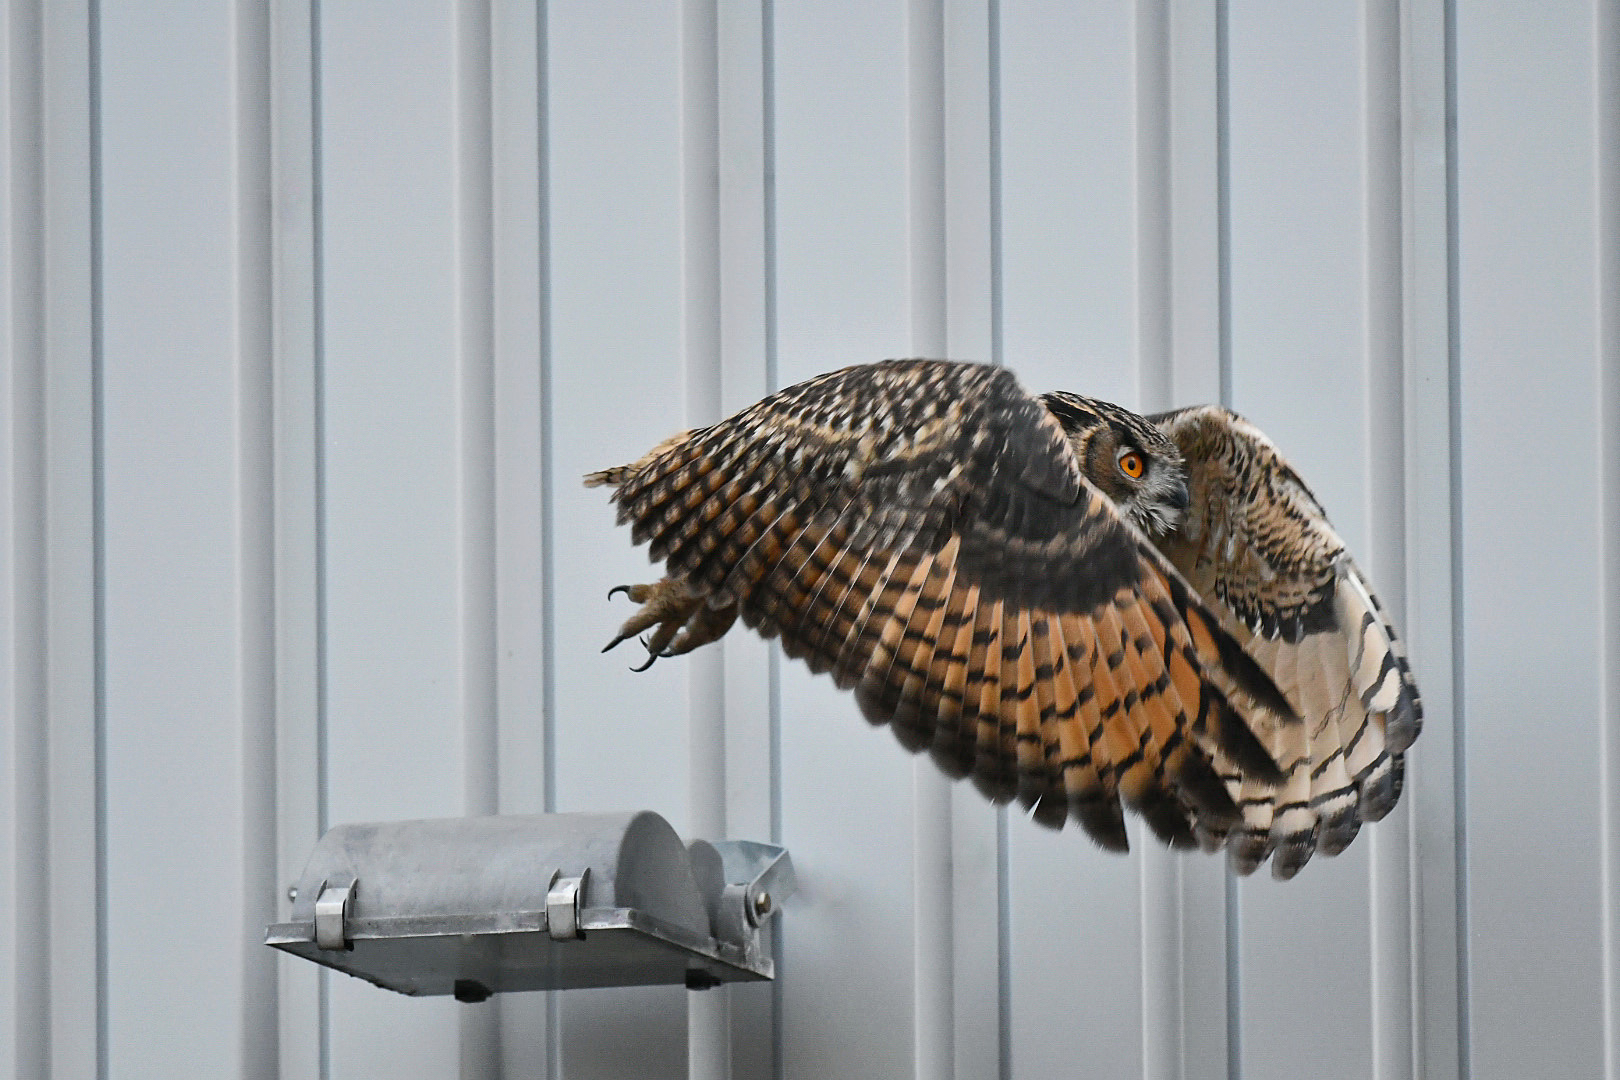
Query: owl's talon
[(615, 591)]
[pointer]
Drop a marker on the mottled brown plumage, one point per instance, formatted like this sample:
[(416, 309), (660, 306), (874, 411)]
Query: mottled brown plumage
[(984, 569), (1259, 544)]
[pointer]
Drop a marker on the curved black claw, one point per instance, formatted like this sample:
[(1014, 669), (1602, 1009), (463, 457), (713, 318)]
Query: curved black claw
[(617, 589), (651, 658), (614, 642)]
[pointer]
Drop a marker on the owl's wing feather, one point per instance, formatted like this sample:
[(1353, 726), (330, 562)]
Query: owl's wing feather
[(923, 531), (1259, 549)]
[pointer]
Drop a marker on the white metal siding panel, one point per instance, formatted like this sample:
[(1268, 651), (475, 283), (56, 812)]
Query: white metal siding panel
[(394, 728), (1607, 56), (55, 714), (614, 98), (517, 231), (842, 296), (1069, 302), (746, 364), (13, 332), (970, 90), (186, 382), (300, 777), (462, 251), (1527, 262), (1299, 372)]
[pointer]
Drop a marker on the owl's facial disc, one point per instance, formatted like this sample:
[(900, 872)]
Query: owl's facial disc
[(1129, 460), (1160, 499), (1151, 481)]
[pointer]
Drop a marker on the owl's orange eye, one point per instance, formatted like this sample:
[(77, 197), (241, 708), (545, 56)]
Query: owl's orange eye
[(1131, 464)]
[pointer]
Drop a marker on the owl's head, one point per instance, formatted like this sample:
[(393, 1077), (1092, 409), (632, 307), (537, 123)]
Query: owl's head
[(1128, 459)]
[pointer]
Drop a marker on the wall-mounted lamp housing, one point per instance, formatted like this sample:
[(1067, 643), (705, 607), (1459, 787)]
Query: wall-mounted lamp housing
[(480, 906)]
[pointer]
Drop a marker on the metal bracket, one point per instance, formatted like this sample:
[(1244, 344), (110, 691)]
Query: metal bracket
[(563, 902), (758, 878), (331, 912)]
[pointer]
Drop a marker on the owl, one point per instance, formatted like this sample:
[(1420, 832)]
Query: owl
[(1079, 607)]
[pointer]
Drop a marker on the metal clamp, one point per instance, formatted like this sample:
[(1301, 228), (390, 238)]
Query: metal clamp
[(332, 912), (758, 878), (563, 902)]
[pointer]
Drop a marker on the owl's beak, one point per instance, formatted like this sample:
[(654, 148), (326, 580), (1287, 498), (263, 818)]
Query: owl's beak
[(1177, 496)]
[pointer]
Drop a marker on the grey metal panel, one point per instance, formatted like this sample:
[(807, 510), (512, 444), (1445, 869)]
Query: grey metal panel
[(1201, 1047), (519, 341), (1164, 956), (708, 1014), (842, 278), (435, 303), (618, 386), (298, 776), (17, 332), (978, 918), (1607, 31), (59, 743), (476, 518), (750, 703), (254, 313), (395, 746), (1298, 371), (933, 892), (25, 937), (1428, 616), (21, 721), (1070, 322), (1531, 501), (186, 693), (1390, 854)]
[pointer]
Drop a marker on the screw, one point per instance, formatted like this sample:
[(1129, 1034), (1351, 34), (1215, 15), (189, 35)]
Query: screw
[(762, 904), (292, 894)]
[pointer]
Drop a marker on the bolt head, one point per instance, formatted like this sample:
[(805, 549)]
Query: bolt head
[(762, 904), (292, 894)]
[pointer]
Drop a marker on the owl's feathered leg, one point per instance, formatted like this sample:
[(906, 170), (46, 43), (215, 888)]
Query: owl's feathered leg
[(682, 619)]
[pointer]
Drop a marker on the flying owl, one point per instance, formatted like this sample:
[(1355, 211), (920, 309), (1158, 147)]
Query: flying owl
[(1077, 606)]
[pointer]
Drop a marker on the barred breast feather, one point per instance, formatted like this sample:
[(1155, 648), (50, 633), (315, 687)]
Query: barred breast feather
[(1259, 549), (923, 532)]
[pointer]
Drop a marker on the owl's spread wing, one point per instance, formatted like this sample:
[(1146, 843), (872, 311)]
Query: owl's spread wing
[(1259, 549), (922, 530)]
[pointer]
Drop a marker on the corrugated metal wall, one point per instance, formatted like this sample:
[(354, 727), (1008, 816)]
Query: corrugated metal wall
[(315, 312)]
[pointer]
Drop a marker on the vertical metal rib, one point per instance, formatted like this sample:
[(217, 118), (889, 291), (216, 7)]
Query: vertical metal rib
[(294, 444), (933, 988), (700, 248), (1223, 192), (98, 546), (1158, 868), (1153, 204), (548, 513), (1427, 539), (767, 20), (475, 347), (318, 362), (708, 1015), (1004, 1018), (1382, 272), (25, 393), (74, 671), (1458, 620), (1223, 216), (256, 571), (1608, 360), (475, 362)]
